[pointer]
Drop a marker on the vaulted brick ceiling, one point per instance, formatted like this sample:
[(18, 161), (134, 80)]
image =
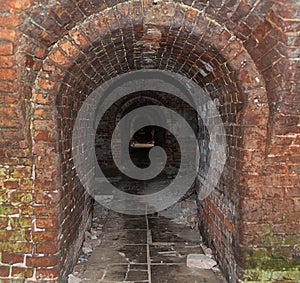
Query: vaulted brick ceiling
[(244, 53)]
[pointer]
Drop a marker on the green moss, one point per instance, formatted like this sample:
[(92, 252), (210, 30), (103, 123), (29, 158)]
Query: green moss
[(262, 259), (274, 261), (3, 197), (272, 276), (23, 222), (4, 246), (3, 172), (271, 240), (18, 235), (18, 198), (19, 275), (22, 247), (251, 275), (291, 240), (6, 210), (275, 264), (265, 275), (26, 210), (286, 275), (257, 256)]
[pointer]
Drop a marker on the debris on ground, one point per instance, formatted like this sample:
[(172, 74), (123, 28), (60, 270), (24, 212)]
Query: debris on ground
[(91, 242), (86, 249), (73, 279), (208, 252), (185, 212), (92, 239), (200, 261)]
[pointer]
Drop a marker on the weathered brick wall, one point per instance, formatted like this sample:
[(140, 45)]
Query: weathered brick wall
[(243, 53), (23, 205), (271, 204)]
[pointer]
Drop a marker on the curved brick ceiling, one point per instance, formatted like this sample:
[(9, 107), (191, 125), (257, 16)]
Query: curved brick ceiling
[(129, 37), (242, 52)]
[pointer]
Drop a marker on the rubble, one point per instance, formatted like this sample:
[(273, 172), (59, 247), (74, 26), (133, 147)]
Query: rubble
[(86, 249), (200, 261), (185, 211), (208, 252), (73, 279), (92, 239)]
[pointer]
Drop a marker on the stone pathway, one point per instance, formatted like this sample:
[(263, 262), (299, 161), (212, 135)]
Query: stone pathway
[(149, 249)]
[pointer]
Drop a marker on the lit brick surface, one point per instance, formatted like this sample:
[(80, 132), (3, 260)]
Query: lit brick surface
[(52, 55)]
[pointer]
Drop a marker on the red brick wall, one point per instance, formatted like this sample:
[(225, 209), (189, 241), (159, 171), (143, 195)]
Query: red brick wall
[(52, 55)]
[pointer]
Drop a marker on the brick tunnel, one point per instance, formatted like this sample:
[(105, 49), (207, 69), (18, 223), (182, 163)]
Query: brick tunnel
[(244, 54)]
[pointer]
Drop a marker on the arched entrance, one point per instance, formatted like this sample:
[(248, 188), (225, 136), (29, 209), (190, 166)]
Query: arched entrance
[(237, 89), (241, 53)]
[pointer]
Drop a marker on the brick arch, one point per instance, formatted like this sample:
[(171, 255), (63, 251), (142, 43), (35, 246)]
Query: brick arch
[(49, 22), (265, 31), (235, 81), (246, 78), (135, 99), (250, 23)]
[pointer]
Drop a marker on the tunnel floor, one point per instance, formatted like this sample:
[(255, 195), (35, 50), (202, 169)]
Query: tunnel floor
[(149, 248)]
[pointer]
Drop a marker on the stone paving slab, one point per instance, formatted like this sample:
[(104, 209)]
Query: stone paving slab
[(116, 273), (102, 256), (176, 253), (182, 274), (126, 224), (135, 253), (164, 230), (146, 249), (125, 237), (111, 273)]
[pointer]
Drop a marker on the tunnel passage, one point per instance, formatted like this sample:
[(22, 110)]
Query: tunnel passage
[(212, 68), (243, 54), (143, 140)]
